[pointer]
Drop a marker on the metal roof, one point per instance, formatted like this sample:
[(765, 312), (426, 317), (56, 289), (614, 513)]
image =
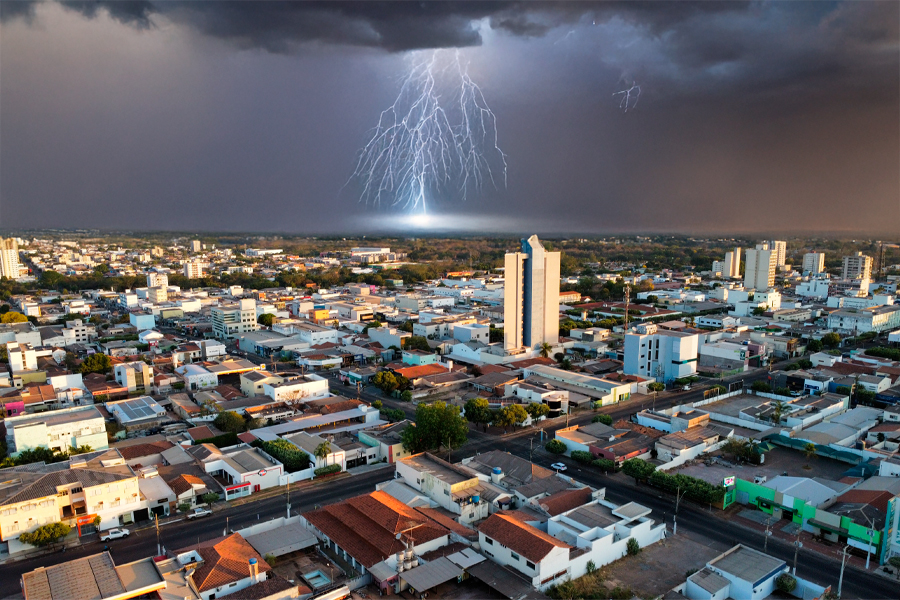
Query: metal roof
[(431, 574)]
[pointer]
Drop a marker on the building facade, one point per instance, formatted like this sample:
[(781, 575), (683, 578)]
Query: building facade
[(9, 258), (857, 266), (231, 320), (759, 268), (531, 296), (814, 262), (660, 354)]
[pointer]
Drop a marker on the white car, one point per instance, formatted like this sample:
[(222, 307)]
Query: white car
[(114, 534), (558, 466), (198, 512)]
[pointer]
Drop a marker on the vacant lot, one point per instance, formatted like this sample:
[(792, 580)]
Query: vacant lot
[(777, 462)]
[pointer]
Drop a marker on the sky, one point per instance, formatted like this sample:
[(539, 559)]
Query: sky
[(779, 117)]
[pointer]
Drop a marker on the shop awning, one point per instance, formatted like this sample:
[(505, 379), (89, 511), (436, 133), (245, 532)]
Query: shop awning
[(827, 527)]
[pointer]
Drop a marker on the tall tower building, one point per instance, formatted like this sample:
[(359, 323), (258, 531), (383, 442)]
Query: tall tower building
[(196, 246), (814, 262), (857, 266), (9, 258), (759, 269), (780, 249), (732, 263), (155, 279), (531, 296), (193, 270)]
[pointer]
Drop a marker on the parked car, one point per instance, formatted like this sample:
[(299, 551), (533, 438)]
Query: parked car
[(198, 512), (558, 466), (114, 534)]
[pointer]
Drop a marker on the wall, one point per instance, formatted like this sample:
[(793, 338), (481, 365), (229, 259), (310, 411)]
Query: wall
[(690, 454)]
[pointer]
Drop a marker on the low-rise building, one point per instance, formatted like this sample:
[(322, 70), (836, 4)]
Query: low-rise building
[(452, 488), (135, 376), (96, 577), (60, 430)]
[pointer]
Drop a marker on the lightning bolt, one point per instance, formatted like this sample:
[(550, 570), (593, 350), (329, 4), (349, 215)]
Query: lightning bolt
[(438, 140), (633, 92)]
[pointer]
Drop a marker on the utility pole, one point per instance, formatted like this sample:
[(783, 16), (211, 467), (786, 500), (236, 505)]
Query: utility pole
[(768, 533), (678, 496), (869, 548), (158, 547), (797, 545), (289, 499), (841, 578), (627, 301)]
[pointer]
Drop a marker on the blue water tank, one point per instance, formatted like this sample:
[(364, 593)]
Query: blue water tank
[(497, 471), (252, 561), (476, 499)]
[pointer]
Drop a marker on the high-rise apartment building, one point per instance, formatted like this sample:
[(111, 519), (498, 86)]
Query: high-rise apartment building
[(196, 246), (759, 268), (9, 258), (857, 266), (193, 270), (732, 263), (814, 262), (233, 319), (780, 250), (660, 353), (531, 296), (155, 279)]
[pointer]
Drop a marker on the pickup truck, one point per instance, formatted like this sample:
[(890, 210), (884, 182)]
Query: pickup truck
[(198, 512), (114, 534)]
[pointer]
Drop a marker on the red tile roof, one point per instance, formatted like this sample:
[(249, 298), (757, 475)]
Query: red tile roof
[(522, 538), (877, 498), (421, 370), (226, 562), (366, 526), (184, 483), (560, 502), (140, 450)]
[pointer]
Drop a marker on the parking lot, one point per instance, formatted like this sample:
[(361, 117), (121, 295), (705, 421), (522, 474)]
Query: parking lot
[(777, 462)]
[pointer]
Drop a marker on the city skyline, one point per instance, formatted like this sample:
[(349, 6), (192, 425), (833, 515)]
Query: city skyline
[(221, 117)]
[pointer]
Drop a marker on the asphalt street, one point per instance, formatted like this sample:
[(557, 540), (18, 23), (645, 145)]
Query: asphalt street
[(179, 534)]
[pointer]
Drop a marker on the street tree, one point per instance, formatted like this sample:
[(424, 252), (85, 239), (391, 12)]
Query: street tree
[(96, 363), (45, 535), (230, 422), (638, 468), (537, 410), (478, 411), (435, 425)]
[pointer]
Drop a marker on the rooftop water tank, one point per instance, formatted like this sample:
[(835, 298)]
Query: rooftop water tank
[(496, 474)]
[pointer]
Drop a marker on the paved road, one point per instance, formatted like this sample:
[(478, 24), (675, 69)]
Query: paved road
[(181, 534)]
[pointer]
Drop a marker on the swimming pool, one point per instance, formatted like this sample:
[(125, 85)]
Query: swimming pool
[(316, 579)]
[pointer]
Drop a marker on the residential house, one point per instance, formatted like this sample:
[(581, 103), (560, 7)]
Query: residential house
[(60, 430)]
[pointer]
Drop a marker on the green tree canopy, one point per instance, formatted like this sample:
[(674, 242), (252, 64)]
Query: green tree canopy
[(96, 363), (230, 422), (831, 340), (814, 345), (536, 410), (45, 535), (417, 342), (436, 424), (656, 386), (266, 319), (386, 381), (293, 458), (605, 419), (638, 468), (513, 414), (13, 317), (761, 386), (477, 410)]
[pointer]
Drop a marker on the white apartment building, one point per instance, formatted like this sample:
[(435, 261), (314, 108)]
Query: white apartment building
[(155, 279), (780, 249), (305, 388), (857, 266), (193, 269), (874, 318), (759, 268), (816, 287), (98, 483), (660, 354), (158, 295), (233, 319), (79, 307), (732, 266), (22, 357), (814, 262), (134, 375), (61, 430), (9, 258), (196, 246), (531, 296), (259, 252)]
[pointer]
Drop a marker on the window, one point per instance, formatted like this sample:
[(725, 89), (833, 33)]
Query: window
[(529, 564), (489, 541), (514, 555)]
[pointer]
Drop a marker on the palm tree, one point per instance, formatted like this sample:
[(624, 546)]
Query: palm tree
[(780, 406), (545, 349), (323, 450), (809, 450)]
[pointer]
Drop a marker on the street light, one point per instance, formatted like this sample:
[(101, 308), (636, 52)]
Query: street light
[(843, 562)]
